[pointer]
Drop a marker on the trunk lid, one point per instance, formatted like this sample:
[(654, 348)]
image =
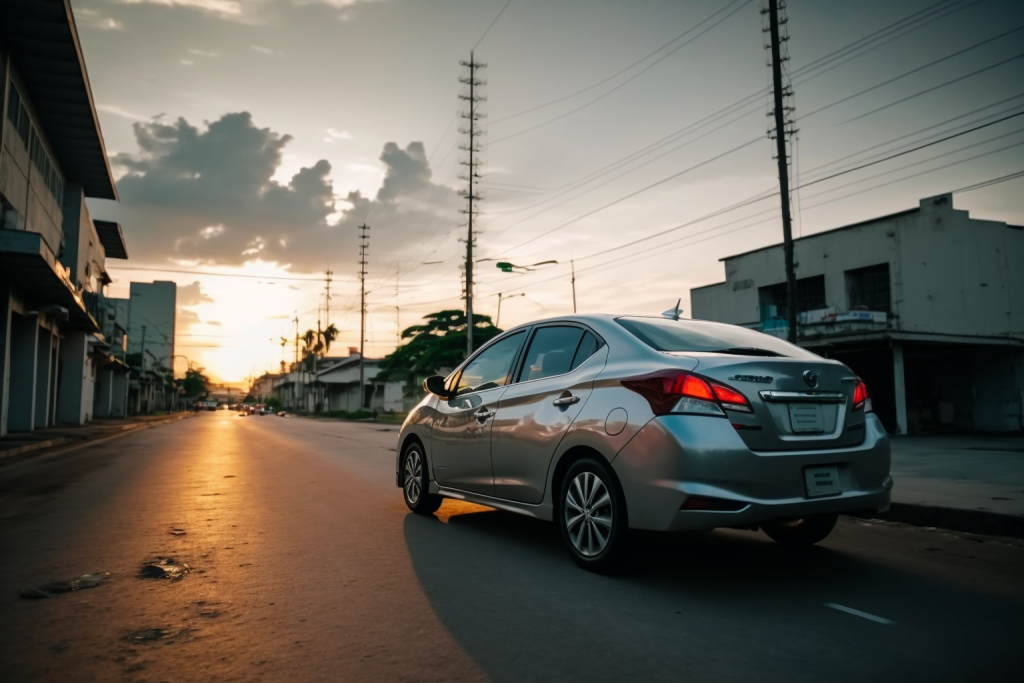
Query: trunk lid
[(799, 404)]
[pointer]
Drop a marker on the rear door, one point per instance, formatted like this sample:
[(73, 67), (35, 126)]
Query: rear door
[(554, 381)]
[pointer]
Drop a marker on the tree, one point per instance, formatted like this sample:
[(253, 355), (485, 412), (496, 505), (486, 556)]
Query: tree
[(195, 383), (437, 345)]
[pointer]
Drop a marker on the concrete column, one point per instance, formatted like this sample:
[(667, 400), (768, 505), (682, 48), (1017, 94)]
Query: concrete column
[(43, 376), (71, 408), (899, 388), (119, 394), (104, 392), (24, 344), (51, 409), (5, 356)]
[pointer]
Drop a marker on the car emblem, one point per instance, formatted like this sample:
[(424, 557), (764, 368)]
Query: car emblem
[(811, 378), (761, 379)]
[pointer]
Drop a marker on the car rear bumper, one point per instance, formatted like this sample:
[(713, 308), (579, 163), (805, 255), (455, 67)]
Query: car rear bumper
[(678, 456)]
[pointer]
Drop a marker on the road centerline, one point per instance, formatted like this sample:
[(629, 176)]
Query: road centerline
[(857, 613)]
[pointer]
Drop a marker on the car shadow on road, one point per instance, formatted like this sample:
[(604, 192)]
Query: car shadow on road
[(703, 603)]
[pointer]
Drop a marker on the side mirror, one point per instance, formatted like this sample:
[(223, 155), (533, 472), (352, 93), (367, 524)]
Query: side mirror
[(435, 385)]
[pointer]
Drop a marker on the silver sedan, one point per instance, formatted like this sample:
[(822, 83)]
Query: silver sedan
[(605, 423)]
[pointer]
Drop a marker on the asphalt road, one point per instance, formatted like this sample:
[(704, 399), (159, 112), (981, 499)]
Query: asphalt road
[(306, 566)]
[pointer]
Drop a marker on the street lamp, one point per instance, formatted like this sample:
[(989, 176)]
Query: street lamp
[(510, 296), (507, 267)]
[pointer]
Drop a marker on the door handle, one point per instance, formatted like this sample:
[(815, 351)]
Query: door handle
[(566, 401), (483, 414)]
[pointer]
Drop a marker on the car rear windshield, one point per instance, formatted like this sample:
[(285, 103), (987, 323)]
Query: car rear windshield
[(700, 335)]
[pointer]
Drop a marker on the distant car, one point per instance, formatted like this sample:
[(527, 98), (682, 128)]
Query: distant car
[(602, 423)]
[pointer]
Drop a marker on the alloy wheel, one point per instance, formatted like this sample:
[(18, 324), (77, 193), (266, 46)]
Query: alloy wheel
[(413, 476), (588, 514)]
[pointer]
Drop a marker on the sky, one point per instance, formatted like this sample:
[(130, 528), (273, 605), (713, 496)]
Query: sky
[(250, 139)]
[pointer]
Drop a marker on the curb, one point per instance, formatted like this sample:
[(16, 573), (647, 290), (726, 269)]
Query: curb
[(28, 448), (55, 445), (980, 522)]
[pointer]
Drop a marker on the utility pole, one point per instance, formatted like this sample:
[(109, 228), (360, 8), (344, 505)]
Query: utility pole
[(473, 133), (364, 245), (780, 150), (572, 264), (298, 368), (327, 297)]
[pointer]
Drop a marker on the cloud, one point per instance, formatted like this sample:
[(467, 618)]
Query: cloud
[(207, 195), (119, 111), (203, 53), (193, 295), (333, 135), (227, 9), (184, 320), (213, 322), (262, 50), (93, 19), (187, 62)]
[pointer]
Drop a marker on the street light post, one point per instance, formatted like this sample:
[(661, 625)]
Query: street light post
[(497, 319)]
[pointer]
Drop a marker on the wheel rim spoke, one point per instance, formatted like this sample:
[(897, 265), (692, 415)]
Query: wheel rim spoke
[(413, 471), (589, 514)]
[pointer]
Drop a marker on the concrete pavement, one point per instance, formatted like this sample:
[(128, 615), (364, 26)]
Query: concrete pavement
[(968, 482), (307, 566)]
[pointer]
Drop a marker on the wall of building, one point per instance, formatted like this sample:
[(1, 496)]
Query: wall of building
[(153, 307), (949, 273), (22, 186), (959, 275)]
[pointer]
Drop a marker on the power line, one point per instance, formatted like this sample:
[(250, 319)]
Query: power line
[(605, 79), (852, 47), (212, 274), (625, 82), (934, 88), (491, 25), (662, 181), (993, 181), (913, 71)]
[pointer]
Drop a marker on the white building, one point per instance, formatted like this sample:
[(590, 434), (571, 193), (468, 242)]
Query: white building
[(927, 305), (335, 387)]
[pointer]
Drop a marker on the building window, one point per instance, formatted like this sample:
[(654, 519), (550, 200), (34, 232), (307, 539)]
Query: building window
[(41, 160), (868, 288), (810, 296), (17, 114)]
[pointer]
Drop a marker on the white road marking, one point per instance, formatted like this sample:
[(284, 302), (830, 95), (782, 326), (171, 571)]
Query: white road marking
[(858, 613)]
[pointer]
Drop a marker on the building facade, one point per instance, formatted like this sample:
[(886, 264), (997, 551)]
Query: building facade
[(927, 305), (52, 254)]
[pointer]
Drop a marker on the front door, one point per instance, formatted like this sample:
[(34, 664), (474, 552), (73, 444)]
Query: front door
[(461, 434), (535, 413)]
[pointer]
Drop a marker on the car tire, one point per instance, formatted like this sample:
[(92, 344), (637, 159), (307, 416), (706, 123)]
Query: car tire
[(801, 532), (416, 483), (591, 515)]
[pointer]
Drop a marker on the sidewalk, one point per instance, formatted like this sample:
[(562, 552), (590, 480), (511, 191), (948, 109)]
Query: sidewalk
[(964, 482), (26, 442)]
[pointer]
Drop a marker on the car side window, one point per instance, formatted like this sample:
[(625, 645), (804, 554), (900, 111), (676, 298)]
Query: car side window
[(491, 368), (588, 347), (551, 352)]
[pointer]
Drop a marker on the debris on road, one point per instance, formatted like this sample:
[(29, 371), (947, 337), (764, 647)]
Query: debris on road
[(164, 568), (178, 532), (149, 635), (52, 590)]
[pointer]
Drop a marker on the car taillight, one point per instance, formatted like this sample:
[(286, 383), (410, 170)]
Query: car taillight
[(860, 396), (679, 391)]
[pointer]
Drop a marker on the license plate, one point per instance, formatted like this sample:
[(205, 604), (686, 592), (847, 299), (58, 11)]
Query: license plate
[(822, 481), (806, 417)]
